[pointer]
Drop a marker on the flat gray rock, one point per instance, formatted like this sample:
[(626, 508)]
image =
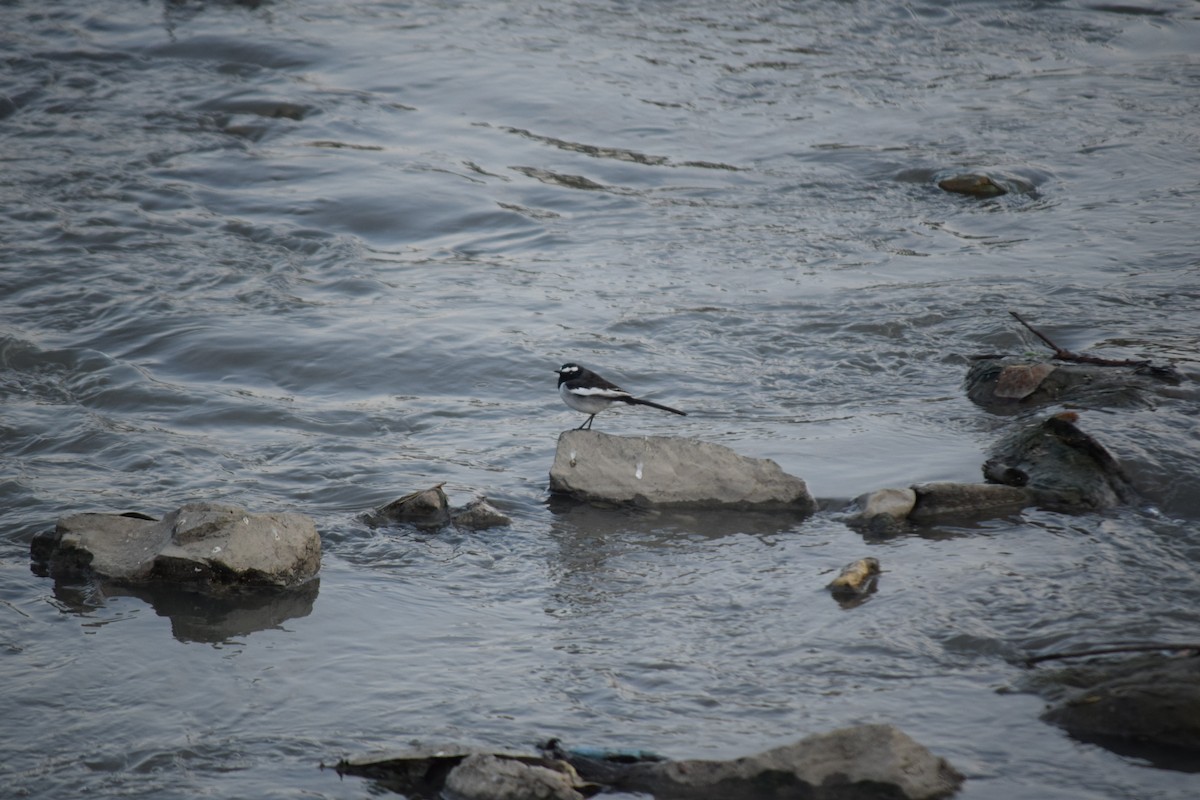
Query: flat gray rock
[(669, 471)]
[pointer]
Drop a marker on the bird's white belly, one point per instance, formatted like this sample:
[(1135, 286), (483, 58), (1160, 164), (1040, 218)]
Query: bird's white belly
[(588, 405)]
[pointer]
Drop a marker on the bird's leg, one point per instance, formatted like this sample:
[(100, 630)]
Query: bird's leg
[(587, 424)]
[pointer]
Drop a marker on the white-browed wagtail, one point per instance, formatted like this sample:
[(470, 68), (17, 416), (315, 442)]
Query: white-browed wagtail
[(584, 390)]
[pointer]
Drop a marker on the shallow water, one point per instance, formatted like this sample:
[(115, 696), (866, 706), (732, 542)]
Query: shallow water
[(293, 256)]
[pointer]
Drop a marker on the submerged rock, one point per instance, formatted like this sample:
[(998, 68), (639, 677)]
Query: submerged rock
[(204, 546), (1148, 700), (973, 184), (669, 471), (1004, 384)]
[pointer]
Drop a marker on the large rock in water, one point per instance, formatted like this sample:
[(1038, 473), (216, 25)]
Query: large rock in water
[(200, 545), (669, 471)]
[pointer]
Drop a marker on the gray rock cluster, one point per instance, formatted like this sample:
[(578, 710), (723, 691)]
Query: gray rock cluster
[(430, 509), (225, 551)]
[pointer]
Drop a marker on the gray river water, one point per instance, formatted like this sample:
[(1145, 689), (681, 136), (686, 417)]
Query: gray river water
[(306, 256)]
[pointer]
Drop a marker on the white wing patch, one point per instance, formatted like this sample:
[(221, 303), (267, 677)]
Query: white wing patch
[(584, 391)]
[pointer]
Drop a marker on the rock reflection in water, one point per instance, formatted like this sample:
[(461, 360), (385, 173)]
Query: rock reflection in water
[(198, 617)]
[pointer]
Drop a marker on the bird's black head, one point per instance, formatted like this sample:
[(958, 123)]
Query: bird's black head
[(568, 372)]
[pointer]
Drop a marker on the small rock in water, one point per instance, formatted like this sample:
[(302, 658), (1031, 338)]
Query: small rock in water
[(427, 508), (884, 510), (478, 515), (972, 184), (857, 578)]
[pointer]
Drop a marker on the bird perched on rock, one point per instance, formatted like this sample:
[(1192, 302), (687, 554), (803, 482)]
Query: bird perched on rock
[(584, 390)]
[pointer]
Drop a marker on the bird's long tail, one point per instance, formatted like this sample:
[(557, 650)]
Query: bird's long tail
[(637, 401)]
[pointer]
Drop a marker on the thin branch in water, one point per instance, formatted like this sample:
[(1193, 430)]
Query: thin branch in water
[(1062, 354)]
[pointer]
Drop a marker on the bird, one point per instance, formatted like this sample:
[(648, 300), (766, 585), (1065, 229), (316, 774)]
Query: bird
[(584, 390)]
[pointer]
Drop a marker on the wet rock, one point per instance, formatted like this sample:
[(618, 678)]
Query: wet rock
[(1149, 700), (482, 776), (667, 471), (1018, 381), (479, 515), (867, 762), (884, 510), (427, 508), (204, 546), (1066, 468), (856, 579), (1004, 384)]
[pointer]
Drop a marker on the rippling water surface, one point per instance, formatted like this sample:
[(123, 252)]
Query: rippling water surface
[(294, 255)]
